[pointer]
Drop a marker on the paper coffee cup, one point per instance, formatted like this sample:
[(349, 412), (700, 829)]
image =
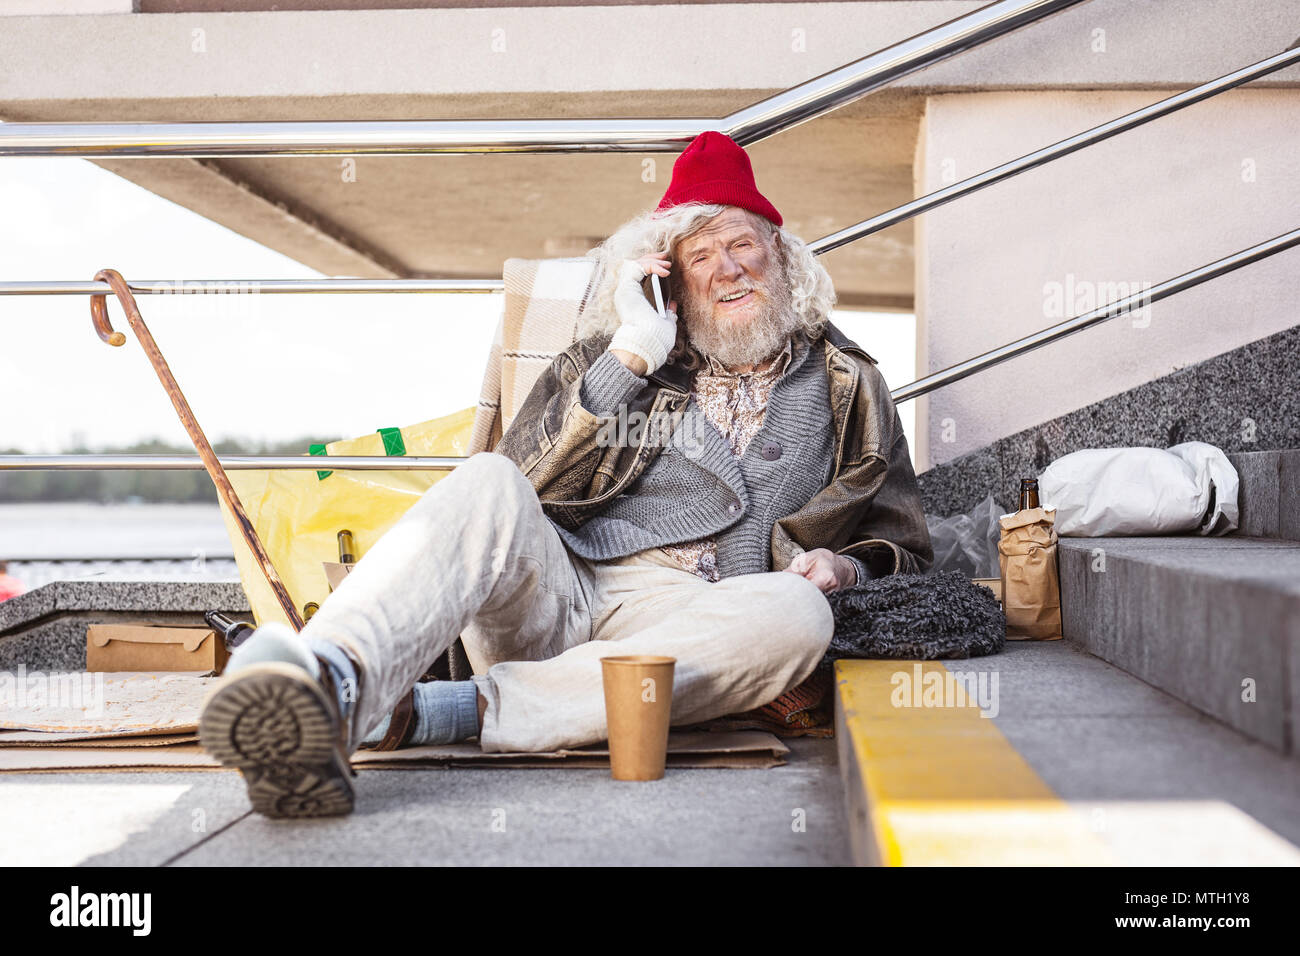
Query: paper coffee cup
[(638, 711)]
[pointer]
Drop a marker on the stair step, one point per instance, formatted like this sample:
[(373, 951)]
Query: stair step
[(1080, 763), (1269, 496), (1204, 619)]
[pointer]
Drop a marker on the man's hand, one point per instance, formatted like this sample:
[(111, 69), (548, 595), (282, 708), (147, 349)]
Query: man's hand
[(644, 336), (826, 569)]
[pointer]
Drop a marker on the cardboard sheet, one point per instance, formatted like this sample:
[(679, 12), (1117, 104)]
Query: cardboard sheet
[(122, 703), (148, 721), (36, 738), (63, 759), (749, 749), (745, 748)]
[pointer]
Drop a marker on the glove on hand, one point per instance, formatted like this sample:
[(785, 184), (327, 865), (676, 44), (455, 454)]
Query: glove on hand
[(643, 332)]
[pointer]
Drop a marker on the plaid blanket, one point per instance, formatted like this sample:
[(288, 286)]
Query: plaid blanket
[(545, 301)]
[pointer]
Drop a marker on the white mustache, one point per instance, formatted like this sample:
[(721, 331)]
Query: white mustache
[(723, 295)]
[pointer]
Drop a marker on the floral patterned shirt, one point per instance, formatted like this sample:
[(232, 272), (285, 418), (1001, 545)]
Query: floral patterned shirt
[(735, 404)]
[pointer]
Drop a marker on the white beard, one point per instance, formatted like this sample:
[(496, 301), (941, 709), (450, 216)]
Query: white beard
[(752, 342)]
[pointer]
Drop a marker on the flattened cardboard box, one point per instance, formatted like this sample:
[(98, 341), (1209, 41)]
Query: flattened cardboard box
[(749, 749), (686, 748), (147, 647), (106, 705), (76, 741)]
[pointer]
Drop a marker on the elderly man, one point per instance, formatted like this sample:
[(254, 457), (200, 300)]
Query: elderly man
[(771, 469)]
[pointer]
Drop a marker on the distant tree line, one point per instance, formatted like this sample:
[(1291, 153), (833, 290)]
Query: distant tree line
[(112, 485)]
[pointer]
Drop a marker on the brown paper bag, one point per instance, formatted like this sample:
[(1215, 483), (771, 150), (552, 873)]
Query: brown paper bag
[(1031, 589)]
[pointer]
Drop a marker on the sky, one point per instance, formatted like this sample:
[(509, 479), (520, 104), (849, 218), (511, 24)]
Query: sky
[(264, 368)]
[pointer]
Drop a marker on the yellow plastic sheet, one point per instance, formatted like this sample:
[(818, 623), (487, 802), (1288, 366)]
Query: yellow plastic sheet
[(298, 515)]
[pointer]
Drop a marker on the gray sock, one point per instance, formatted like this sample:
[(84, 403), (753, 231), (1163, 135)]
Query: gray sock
[(446, 712), (344, 673)]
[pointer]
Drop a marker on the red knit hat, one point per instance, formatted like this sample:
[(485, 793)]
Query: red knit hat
[(715, 169)]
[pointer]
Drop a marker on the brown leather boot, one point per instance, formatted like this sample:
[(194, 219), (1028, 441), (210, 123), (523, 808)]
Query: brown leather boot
[(401, 724)]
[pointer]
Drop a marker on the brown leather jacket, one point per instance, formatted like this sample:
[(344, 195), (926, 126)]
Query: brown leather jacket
[(871, 509)]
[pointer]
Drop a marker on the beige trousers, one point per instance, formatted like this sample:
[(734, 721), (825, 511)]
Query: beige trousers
[(475, 557)]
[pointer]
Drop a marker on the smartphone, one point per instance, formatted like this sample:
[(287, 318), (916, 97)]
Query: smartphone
[(656, 283)]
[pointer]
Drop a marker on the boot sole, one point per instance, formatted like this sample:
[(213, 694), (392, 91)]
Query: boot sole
[(274, 725)]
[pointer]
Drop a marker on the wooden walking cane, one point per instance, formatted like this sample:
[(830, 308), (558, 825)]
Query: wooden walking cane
[(99, 314)]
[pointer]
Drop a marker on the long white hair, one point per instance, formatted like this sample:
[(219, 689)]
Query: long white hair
[(812, 292)]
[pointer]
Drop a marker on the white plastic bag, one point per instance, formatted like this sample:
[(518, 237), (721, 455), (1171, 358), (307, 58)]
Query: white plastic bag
[(1118, 491)]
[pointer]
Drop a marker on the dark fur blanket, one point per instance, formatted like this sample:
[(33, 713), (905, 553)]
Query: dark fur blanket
[(916, 617), (909, 616)]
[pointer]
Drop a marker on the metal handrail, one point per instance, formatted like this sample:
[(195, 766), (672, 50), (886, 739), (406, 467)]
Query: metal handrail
[(753, 123), (921, 386), (820, 246), (256, 286), (229, 463), (1100, 314), (142, 558), (1065, 147)]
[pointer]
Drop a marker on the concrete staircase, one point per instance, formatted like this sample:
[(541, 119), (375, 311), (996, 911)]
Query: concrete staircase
[(1215, 622), (1165, 729)]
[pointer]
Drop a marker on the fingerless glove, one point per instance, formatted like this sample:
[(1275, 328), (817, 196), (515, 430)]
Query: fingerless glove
[(643, 332)]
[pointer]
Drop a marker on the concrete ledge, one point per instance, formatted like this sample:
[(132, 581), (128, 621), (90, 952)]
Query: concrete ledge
[(1196, 617), (45, 628), (1269, 496), (1082, 763), (941, 786), (502, 50)]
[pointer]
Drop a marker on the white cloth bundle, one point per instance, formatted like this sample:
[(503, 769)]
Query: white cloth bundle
[(1133, 491)]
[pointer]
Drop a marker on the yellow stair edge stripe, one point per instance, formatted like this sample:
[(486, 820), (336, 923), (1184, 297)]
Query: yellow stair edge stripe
[(942, 785)]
